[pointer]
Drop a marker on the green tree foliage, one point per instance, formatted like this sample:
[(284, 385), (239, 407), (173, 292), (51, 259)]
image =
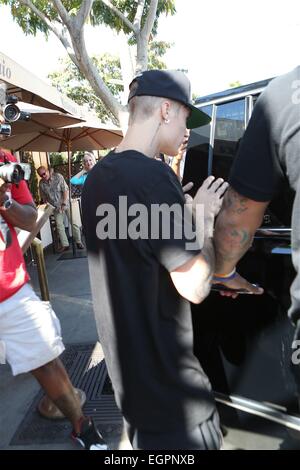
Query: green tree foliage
[(235, 84), (58, 158), (33, 181), (70, 81), (66, 19), (100, 13), (157, 50)]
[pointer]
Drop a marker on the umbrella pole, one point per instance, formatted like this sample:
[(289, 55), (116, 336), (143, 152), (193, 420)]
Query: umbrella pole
[(70, 201)]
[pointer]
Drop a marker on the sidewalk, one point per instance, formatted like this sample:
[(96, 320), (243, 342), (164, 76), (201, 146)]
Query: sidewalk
[(71, 300)]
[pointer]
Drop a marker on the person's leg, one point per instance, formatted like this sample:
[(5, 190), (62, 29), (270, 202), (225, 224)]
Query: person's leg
[(59, 219), (31, 338), (76, 230), (77, 234), (54, 379)]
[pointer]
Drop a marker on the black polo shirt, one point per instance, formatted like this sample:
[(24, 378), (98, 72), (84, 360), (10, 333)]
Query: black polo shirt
[(145, 326)]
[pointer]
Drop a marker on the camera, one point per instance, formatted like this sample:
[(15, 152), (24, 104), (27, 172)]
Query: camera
[(13, 173), (5, 129), (12, 112)]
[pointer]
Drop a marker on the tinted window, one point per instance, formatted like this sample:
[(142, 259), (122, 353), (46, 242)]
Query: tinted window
[(196, 160), (230, 127)]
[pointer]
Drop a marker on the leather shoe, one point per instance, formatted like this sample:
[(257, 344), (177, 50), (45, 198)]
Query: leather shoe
[(80, 246)]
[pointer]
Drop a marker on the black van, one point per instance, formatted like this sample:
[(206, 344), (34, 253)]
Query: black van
[(244, 345)]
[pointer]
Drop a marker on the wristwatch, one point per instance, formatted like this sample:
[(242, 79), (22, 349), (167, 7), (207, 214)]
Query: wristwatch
[(7, 203)]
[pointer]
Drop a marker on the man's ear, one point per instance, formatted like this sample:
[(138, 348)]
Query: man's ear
[(165, 111)]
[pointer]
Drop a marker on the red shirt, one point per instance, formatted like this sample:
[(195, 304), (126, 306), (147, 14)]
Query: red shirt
[(13, 274)]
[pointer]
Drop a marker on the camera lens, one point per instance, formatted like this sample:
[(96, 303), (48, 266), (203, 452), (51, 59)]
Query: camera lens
[(11, 113)]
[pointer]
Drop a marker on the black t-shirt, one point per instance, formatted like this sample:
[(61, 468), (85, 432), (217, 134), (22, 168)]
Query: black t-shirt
[(270, 152), (144, 325), (270, 146)]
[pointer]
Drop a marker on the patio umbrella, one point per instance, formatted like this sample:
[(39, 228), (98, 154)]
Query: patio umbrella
[(29, 88), (92, 135), (82, 136)]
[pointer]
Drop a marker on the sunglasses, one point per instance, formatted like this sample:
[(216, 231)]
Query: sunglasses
[(43, 174)]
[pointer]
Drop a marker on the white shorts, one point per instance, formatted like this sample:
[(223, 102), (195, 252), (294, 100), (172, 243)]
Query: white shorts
[(30, 334)]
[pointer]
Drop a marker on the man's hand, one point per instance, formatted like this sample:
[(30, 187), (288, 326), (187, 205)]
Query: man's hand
[(210, 194), (3, 189), (63, 207), (175, 165), (238, 283), (185, 189), (183, 147)]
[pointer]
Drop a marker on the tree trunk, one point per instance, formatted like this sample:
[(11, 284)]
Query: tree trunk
[(88, 69), (123, 119), (128, 65), (142, 53)]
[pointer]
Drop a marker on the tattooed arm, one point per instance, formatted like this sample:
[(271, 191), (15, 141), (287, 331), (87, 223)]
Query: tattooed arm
[(235, 228)]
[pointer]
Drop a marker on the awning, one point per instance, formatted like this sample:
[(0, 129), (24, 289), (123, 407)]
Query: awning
[(29, 88)]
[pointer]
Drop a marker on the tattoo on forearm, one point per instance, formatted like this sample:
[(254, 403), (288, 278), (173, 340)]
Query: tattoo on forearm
[(234, 201), (235, 243), (241, 237)]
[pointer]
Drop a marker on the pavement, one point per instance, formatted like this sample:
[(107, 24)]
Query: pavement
[(71, 299)]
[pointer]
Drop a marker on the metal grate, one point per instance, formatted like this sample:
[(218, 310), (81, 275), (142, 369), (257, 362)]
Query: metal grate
[(86, 368)]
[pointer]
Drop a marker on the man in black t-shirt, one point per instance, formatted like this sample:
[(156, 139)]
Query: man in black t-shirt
[(269, 154), (144, 270)]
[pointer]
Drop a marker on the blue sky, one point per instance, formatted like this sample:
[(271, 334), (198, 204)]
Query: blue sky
[(217, 41)]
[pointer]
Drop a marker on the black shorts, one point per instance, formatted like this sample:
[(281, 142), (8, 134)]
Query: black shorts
[(205, 436)]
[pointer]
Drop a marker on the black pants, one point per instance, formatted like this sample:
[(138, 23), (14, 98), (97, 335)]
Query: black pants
[(206, 436)]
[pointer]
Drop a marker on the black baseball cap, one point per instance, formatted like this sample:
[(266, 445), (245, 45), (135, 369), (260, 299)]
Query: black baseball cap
[(171, 84)]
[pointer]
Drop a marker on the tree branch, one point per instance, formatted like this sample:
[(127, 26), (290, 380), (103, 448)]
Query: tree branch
[(78, 53), (150, 19), (60, 34), (120, 15), (67, 45), (88, 69), (84, 12), (139, 13), (41, 15), (66, 19)]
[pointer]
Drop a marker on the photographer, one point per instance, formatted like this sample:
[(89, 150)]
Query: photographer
[(30, 337), (22, 216)]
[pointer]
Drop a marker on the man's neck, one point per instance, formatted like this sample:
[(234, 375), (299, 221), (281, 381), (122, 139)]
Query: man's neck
[(141, 138)]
